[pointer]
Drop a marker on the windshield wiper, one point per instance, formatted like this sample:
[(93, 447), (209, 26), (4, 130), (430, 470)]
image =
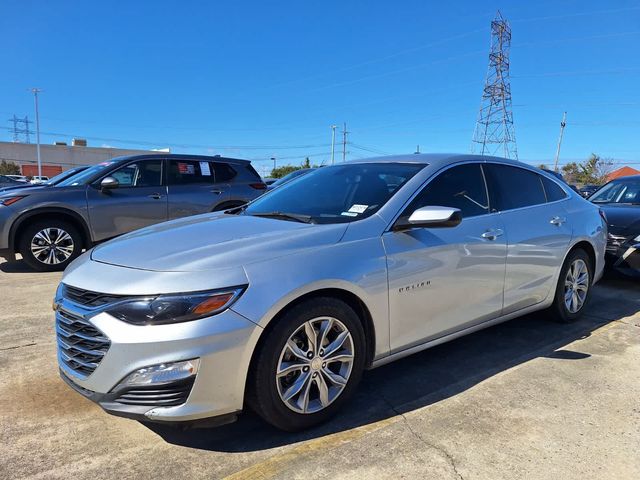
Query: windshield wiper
[(285, 216)]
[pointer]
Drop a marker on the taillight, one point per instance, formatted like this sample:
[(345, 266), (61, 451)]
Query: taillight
[(258, 186)]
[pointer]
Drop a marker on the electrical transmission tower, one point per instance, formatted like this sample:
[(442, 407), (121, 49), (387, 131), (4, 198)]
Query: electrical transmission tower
[(494, 133), (21, 131)]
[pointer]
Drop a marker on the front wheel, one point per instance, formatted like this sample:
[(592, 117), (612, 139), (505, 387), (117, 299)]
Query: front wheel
[(49, 246), (309, 364), (574, 287)]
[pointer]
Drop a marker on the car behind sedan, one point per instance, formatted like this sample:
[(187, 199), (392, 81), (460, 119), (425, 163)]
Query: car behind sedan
[(620, 202), (280, 305)]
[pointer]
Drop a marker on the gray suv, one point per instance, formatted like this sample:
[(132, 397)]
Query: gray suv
[(50, 226)]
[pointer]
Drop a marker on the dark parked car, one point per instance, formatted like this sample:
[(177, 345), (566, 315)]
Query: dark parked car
[(9, 182), (620, 202), (49, 183), (588, 190), (289, 177), (50, 226)]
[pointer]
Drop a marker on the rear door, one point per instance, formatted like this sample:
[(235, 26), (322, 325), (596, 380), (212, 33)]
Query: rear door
[(537, 228), (446, 279), (193, 187), (139, 200)]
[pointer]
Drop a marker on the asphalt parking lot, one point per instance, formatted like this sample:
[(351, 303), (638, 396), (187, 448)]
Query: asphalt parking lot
[(526, 399)]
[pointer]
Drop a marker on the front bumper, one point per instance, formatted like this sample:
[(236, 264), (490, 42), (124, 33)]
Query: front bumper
[(223, 343), (625, 257)]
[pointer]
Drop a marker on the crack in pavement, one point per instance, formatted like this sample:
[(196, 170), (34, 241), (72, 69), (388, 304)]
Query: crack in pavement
[(441, 450), (18, 346)]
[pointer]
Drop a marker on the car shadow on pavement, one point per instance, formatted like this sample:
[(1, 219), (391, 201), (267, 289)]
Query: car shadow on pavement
[(421, 379), (18, 266)]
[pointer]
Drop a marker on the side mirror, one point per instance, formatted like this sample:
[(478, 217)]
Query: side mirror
[(430, 217), (109, 183)]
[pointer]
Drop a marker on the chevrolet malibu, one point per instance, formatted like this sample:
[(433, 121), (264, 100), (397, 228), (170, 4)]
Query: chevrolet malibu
[(280, 305)]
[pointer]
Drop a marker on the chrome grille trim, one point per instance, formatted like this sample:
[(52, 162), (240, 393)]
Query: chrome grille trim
[(81, 346)]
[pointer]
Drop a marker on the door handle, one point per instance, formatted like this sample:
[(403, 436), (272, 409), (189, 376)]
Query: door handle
[(492, 234), (155, 196), (217, 192), (557, 221)]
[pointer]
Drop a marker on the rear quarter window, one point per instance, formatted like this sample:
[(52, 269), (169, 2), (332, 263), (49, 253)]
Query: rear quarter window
[(552, 190)]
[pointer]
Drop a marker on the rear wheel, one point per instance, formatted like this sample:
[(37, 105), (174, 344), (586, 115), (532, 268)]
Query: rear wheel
[(49, 246), (574, 287), (309, 365)]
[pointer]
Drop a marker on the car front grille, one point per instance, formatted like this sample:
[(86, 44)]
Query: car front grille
[(88, 298), (81, 346), (169, 395)]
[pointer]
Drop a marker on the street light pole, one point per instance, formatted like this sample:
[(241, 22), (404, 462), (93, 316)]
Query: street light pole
[(333, 142), (35, 97), (274, 162)]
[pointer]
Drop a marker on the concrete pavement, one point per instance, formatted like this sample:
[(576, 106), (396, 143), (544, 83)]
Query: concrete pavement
[(526, 399)]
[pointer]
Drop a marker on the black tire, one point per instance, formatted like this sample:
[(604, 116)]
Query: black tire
[(28, 234), (559, 310), (262, 392)]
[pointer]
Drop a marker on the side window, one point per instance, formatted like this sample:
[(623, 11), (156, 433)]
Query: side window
[(553, 190), (460, 187), (145, 173), (224, 172), (189, 172), (513, 187)]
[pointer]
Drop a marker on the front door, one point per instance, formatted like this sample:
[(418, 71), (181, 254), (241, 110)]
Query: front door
[(445, 279), (139, 200)]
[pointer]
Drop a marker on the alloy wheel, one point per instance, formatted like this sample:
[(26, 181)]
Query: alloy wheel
[(52, 246), (315, 365), (576, 285)]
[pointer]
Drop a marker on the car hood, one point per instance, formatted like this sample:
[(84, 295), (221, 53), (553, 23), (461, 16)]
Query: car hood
[(622, 219), (213, 241)]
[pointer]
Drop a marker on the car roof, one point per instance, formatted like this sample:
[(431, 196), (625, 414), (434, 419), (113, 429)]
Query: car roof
[(627, 177), (180, 156), (438, 159)]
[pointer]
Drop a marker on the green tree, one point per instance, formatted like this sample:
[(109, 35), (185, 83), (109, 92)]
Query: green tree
[(593, 171), (280, 172), (543, 166), (9, 168)]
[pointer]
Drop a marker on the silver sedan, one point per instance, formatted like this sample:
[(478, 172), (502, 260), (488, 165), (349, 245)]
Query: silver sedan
[(282, 304)]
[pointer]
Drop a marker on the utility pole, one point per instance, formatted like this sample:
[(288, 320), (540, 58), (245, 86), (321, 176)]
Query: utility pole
[(417, 149), (333, 143), (563, 123), (344, 142), (495, 132), (35, 98)]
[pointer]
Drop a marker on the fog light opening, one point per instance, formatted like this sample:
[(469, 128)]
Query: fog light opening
[(160, 374)]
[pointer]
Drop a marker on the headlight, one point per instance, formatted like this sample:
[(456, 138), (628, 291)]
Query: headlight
[(174, 308), (11, 200)]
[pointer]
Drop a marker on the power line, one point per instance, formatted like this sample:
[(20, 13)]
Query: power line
[(185, 145)]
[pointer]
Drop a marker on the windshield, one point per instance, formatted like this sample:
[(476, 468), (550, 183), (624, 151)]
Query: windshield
[(85, 176), (337, 194), (621, 191), (61, 176)]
